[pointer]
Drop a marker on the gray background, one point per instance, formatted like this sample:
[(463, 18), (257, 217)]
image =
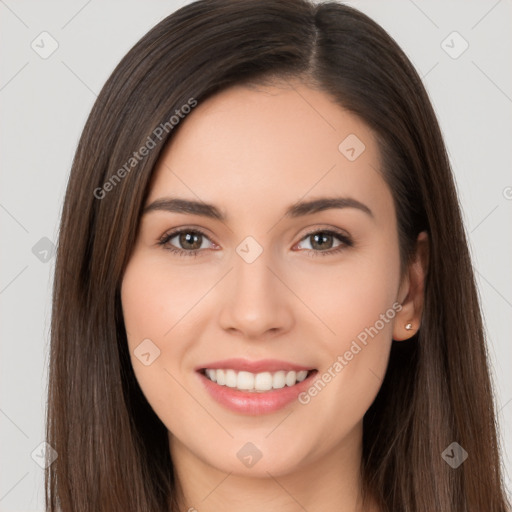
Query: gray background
[(44, 104)]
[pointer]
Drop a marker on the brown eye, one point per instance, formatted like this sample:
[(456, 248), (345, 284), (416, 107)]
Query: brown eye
[(321, 240), (188, 242), (324, 242)]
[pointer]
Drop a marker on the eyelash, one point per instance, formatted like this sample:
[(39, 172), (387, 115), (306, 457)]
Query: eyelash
[(346, 242)]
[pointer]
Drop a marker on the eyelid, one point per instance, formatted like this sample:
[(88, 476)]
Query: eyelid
[(176, 231), (344, 237), (326, 229)]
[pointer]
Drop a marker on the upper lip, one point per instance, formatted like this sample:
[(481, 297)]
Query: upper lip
[(262, 365)]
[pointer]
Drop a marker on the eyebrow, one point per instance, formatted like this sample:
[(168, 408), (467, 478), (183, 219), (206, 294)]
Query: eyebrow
[(299, 209)]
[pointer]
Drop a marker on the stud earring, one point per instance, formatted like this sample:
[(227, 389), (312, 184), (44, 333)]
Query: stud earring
[(408, 326)]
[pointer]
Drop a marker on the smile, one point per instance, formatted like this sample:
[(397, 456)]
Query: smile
[(269, 387)]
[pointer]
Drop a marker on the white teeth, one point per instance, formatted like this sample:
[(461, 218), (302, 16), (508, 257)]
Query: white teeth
[(279, 380), (263, 381), (221, 377), (302, 375), (231, 378), (245, 380), (291, 378), (212, 374)]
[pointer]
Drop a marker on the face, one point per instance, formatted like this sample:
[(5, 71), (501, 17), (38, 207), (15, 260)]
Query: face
[(265, 289)]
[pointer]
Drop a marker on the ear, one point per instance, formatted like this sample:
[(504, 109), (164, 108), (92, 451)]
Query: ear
[(411, 292)]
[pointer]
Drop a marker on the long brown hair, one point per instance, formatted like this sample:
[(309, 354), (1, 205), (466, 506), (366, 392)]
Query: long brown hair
[(113, 452)]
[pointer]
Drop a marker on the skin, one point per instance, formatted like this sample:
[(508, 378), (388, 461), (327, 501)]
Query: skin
[(252, 152)]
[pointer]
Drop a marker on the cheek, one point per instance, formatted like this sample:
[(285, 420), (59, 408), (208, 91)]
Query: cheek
[(364, 304), (359, 305), (352, 295), (155, 297), (155, 306)]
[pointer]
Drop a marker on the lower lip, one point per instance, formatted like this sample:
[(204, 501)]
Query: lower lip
[(255, 403)]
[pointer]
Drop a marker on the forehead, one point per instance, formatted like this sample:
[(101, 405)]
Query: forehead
[(264, 147)]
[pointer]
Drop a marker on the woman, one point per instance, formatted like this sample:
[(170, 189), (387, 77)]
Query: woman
[(253, 136)]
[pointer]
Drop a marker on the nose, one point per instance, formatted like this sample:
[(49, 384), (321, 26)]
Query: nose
[(256, 304)]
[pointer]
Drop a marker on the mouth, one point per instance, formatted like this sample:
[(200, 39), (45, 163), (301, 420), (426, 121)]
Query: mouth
[(262, 382), (255, 387)]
